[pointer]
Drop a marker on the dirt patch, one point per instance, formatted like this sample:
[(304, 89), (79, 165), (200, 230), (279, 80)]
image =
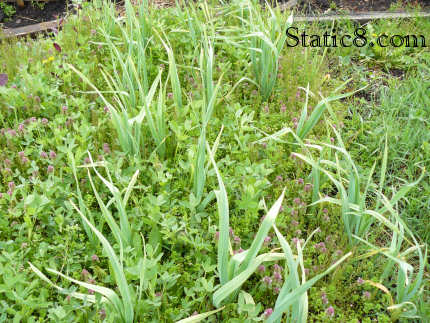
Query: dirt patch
[(34, 13)]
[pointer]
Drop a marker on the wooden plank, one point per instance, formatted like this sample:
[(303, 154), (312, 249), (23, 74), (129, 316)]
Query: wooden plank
[(371, 15), (31, 29)]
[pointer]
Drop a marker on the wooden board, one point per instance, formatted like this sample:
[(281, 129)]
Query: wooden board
[(372, 15), (31, 29)]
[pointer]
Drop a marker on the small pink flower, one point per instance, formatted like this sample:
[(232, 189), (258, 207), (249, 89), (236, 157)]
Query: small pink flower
[(11, 185), (366, 294), (267, 280), (268, 312), (295, 120), (90, 291), (99, 157), (24, 160), (330, 311), (276, 290), (325, 211), (43, 154), (294, 212), (283, 108), (267, 240), (21, 128), (12, 133), (45, 121), (52, 154), (295, 241), (360, 281), (236, 240), (7, 162), (95, 258), (64, 108), (277, 276), (261, 268), (106, 148), (86, 160), (297, 200), (102, 314), (106, 109), (85, 273), (294, 223), (332, 139), (278, 178), (50, 169), (33, 119), (217, 235), (68, 298), (170, 95), (308, 187), (300, 181), (158, 294)]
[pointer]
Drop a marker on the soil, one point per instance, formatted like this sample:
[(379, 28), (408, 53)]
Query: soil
[(333, 6), (32, 13)]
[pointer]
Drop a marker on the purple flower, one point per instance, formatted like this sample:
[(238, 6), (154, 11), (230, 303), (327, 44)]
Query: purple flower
[(230, 230), (90, 291), (43, 154), (21, 154), (294, 212), (277, 268), (267, 240), (106, 109), (102, 314), (158, 294), (297, 200), (300, 181), (294, 223), (236, 240), (33, 119), (308, 187), (283, 108), (276, 290), (267, 280), (50, 169), (295, 241), (21, 128), (24, 160), (86, 160), (277, 276), (325, 211), (268, 312), (3, 79), (68, 298), (360, 281), (278, 178), (217, 235), (11, 185), (12, 132), (261, 268), (7, 162), (95, 258), (170, 95), (45, 121), (64, 108), (52, 154), (366, 294), (85, 273), (330, 311), (298, 94), (106, 148), (332, 139)]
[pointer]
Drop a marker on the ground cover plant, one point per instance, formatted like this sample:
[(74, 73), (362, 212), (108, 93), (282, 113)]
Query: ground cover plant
[(183, 164)]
